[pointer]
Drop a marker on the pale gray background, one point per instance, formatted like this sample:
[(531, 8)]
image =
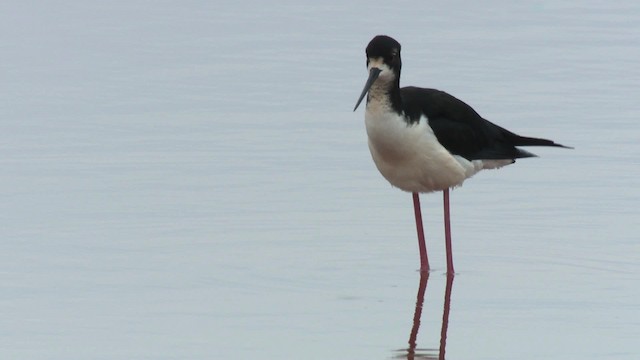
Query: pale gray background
[(186, 180)]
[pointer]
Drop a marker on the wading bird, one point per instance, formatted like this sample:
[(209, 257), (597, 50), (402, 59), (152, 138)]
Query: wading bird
[(425, 140)]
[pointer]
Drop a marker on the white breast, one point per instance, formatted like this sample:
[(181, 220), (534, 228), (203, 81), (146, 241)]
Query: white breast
[(410, 156)]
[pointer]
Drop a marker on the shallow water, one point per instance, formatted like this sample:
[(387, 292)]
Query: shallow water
[(188, 182)]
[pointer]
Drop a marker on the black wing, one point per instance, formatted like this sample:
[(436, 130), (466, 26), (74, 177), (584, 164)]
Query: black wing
[(461, 130)]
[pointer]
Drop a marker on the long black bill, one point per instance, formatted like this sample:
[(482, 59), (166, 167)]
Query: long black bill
[(373, 75)]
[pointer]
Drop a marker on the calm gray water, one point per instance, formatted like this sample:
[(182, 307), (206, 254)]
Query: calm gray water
[(186, 180)]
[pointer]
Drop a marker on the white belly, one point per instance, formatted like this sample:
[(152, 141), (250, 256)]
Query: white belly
[(410, 156)]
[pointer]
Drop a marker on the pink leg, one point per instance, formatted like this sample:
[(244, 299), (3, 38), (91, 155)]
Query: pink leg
[(424, 261), (447, 233)]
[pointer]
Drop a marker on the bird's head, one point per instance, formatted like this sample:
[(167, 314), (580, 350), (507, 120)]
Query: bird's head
[(383, 63)]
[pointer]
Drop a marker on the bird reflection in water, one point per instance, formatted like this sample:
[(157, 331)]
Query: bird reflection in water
[(413, 352)]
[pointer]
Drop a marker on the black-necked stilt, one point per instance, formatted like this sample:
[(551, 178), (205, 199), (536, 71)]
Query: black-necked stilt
[(425, 140)]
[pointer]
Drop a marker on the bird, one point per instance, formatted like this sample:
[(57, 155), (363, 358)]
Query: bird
[(424, 140)]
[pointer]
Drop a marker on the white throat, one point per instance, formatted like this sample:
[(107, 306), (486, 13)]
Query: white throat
[(378, 100)]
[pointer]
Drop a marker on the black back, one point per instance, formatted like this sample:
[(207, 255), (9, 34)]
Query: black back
[(458, 127), (461, 130)]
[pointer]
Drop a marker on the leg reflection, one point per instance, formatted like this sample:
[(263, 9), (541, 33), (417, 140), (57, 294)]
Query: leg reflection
[(413, 352), (424, 278), (445, 315)]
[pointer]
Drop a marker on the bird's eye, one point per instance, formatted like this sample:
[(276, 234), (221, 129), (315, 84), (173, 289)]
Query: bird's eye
[(394, 54)]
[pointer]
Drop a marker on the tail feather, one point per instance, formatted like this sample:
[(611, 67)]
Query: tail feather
[(530, 141), (524, 154), (507, 145)]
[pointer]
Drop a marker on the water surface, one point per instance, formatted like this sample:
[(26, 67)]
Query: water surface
[(189, 182)]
